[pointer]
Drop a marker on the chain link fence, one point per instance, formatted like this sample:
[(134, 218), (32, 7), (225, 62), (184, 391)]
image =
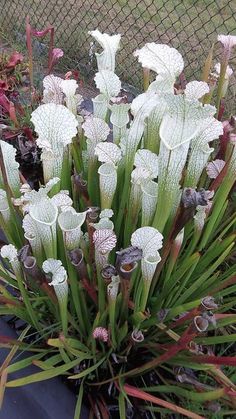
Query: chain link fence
[(191, 26)]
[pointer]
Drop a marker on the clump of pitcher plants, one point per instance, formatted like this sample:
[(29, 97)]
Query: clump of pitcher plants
[(121, 262)]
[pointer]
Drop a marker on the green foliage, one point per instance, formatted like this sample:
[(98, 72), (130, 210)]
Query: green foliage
[(103, 304)]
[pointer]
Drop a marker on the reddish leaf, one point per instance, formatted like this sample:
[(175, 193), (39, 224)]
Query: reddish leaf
[(103, 409), (215, 360), (12, 114), (134, 392), (181, 345), (225, 138), (68, 75), (221, 110), (90, 290), (4, 102), (15, 58), (28, 133), (223, 315), (5, 300), (190, 315), (4, 85), (57, 53), (217, 182), (6, 340), (40, 34), (225, 284), (9, 135)]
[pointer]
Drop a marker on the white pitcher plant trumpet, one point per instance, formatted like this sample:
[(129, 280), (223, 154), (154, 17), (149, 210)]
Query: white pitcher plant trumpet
[(130, 227)]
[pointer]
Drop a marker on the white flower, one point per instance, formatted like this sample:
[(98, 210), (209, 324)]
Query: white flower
[(200, 150), (31, 196), (214, 168), (120, 114), (106, 213), (95, 130), (100, 106), (62, 200), (9, 252), (107, 183), (108, 152), (141, 108), (25, 187), (104, 240), (149, 201), (140, 175), (148, 239), (4, 206), (181, 123), (113, 287), (110, 45), (52, 89), (228, 41), (55, 126), (196, 89), (31, 234), (183, 120), (167, 62), (148, 160), (70, 223), (11, 167), (108, 83), (55, 267), (59, 277), (72, 99), (103, 224), (228, 72), (199, 217), (148, 266), (44, 214), (69, 87)]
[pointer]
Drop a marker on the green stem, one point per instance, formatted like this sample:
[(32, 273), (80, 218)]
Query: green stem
[(144, 295), (26, 300), (219, 201), (63, 314), (75, 293), (112, 307), (223, 68), (66, 170), (77, 156), (124, 197), (101, 292), (146, 78), (93, 183)]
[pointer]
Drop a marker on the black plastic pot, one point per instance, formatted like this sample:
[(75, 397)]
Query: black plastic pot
[(50, 399)]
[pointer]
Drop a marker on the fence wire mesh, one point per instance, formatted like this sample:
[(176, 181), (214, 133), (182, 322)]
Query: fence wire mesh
[(191, 26)]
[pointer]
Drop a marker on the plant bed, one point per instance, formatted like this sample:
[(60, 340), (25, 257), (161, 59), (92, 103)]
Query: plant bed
[(39, 399), (121, 253)]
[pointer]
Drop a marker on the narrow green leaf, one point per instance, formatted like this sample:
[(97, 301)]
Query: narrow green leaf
[(122, 410), (213, 340), (79, 401), (191, 395), (17, 366), (88, 370), (43, 375)]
